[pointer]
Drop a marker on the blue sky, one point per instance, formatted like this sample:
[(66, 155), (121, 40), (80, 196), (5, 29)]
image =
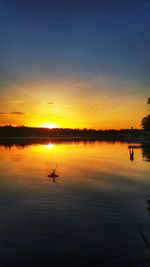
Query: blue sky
[(78, 41)]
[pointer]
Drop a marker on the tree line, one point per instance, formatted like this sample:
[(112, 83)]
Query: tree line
[(23, 131)]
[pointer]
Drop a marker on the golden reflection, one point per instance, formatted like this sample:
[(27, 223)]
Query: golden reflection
[(94, 164), (42, 148)]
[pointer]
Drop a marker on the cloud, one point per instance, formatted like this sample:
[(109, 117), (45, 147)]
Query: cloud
[(17, 113), (50, 103), (12, 113)]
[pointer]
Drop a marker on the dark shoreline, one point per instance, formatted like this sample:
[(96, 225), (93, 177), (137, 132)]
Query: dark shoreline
[(23, 134)]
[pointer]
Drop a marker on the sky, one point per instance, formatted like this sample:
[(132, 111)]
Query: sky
[(77, 64)]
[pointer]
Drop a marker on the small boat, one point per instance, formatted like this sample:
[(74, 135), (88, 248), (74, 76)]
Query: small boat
[(53, 174)]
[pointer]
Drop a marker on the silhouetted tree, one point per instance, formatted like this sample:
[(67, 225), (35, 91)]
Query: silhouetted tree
[(145, 123)]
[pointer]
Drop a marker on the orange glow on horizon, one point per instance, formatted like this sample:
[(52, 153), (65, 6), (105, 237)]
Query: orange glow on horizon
[(48, 125), (61, 104)]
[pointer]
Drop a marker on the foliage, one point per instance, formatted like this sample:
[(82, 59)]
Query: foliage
[(145, 124)]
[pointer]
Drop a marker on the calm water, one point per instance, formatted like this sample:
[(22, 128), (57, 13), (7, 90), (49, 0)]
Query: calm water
[(89, 216)]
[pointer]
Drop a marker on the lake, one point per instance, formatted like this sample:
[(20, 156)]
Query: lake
[(93, 214)]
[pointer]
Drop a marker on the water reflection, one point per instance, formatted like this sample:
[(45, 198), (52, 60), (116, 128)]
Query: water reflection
[(53, 179), (23, 142), (90, 219), (146, 151), (144, 148), (148, 207), (131, 152)]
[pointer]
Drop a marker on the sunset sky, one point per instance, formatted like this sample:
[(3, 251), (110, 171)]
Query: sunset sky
[(79, 64)]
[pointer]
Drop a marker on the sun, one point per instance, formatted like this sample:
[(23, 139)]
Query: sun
[(48, 125)]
